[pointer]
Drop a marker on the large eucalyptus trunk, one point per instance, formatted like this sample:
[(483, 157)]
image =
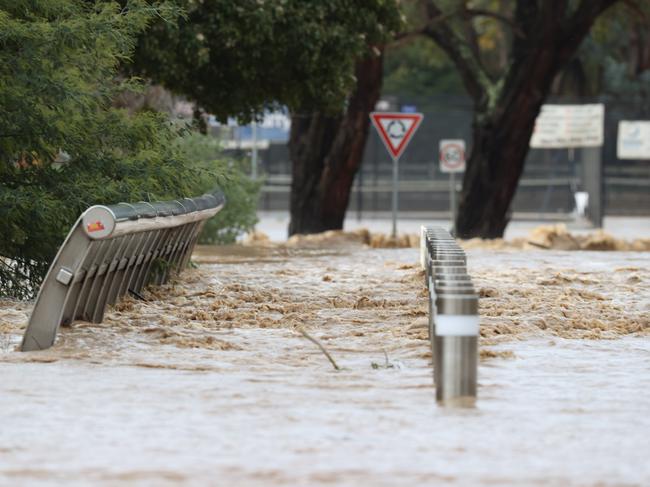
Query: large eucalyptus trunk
[(505, 112), (545, 37), (326, 152), (500, 142)]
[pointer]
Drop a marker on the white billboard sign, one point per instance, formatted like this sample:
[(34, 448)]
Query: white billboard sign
[(633, 140), (569, 126)]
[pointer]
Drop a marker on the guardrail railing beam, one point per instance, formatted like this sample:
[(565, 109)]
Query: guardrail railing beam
[(112, 251)]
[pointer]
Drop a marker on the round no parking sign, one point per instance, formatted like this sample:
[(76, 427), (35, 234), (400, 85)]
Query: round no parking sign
[(452, 155)]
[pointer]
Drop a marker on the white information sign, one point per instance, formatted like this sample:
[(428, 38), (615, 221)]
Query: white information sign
[(452, 155), (569, 126), (633, 140)]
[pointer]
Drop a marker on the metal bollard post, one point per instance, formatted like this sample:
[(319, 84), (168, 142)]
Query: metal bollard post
[(448, 262), (423, 247), (442, 288), (446, 249), (452, 279), (456, 349), (453, 317), (432, 313), (445, 285), (442, 291), (448, 269), (449, 256), (438, 271)]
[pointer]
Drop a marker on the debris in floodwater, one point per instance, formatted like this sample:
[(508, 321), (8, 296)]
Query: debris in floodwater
[(331, 238), (547, 237), (567, 303), (557, 237), (359, 294), (382, 241), (485, 354), (387, 364), (257, 238), (320, 346)]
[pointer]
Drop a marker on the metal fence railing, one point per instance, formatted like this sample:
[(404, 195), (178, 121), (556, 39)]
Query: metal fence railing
[(111, 251)]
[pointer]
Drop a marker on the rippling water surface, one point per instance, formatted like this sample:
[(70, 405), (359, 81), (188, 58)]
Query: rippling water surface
[(211, 382)]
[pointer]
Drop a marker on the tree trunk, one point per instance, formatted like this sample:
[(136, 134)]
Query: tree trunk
[(326, 152), (501, 137), (546, 35), (493, 171)]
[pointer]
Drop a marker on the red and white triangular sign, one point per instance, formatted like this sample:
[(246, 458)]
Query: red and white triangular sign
[(396, 129)]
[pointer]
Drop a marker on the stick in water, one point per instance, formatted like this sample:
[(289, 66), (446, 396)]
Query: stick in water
[(318, 344)]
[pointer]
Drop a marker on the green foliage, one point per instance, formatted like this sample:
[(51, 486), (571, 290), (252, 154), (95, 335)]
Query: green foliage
[(62, 147), (615, 56), (419, 69), (57, 58), (235, 57), (239, 215)]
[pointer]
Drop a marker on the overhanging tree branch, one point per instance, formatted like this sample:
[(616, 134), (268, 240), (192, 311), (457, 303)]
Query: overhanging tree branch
[(471, 35), (476, 79), (553, 9), (590, 9), (525, 13), (422, 30), (635, 8), (478, 12), (467, 12), (578, 24)]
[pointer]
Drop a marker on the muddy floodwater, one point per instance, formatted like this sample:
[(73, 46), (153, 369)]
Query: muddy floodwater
[(211, 381)]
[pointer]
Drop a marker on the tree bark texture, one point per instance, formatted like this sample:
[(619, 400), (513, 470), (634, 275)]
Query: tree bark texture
[(326, 152), (501, 136), (545, 38)]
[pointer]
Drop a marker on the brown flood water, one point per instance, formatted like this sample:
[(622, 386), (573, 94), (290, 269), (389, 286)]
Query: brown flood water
[(211, 382)]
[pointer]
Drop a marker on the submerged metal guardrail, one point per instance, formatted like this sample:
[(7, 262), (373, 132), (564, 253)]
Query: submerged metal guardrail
[(453, 317), (112, 250)]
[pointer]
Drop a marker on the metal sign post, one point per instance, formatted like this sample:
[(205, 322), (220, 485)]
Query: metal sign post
[(254, 153), (395, 130), (452, 160), (395, 196), (452, 201), (576, 127)]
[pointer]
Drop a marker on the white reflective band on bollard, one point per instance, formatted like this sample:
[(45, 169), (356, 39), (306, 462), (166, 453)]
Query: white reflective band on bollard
[(457, 325)]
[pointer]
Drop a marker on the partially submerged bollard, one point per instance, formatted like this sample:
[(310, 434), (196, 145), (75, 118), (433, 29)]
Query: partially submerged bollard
[(453, 317), (456, 348)]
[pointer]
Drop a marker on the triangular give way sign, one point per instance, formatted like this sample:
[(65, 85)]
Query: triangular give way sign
[(396, 129)]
